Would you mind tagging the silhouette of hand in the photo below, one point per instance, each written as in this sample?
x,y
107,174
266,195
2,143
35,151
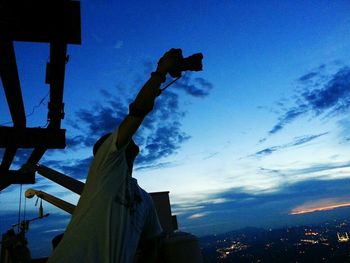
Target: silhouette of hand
x,y
170,61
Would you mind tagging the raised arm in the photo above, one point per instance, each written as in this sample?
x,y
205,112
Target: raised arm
x,y
144,101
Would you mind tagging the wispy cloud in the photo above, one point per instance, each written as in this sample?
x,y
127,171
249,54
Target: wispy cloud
x,y
119,44
210,155
344,125
159,136
315,168
327,168
297,141
161,133
318,94
240,207
319,205
101,118
22,156
197,87
288,117
153,166
76,168
308,77
55,230
198,215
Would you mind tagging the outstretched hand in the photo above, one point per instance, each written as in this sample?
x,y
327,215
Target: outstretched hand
x,y
170,62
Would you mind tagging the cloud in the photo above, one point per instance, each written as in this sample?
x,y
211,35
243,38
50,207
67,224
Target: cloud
x,y
318,94
119,44
317,168
197,87
164,142
321,171
319,205
335,95
312,168
211,155
242,208
102,119
344,125
161,133
305,139
197,215
308,77
76,168
153,166
296,142
76,141
288,117
22,156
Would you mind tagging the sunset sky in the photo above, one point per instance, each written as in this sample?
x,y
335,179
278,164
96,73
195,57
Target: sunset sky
x,y
262,132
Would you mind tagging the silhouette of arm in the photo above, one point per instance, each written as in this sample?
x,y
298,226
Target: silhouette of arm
x,y
144,101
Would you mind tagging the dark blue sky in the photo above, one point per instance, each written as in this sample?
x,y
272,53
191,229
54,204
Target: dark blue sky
x,y
263,130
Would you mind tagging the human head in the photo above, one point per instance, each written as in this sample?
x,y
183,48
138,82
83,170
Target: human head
x,y
99,142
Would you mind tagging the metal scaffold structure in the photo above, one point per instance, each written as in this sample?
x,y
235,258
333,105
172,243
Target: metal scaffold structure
x,y
58,24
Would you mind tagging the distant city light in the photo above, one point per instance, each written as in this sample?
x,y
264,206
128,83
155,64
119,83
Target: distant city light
x,y
319,242
311,233
343,237
310,241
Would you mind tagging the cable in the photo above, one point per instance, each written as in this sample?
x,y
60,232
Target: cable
x,y
41,209
41,102
19,209
37,106
171,83
25,209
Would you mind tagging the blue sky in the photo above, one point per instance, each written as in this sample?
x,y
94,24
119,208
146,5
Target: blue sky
x,y
263,130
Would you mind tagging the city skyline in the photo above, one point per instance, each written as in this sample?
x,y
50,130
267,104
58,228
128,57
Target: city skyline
x,y
327,242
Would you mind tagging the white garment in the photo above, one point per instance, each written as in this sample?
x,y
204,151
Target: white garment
x,y
112,213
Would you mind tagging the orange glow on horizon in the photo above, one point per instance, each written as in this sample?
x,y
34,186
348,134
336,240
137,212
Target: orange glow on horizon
x,y
301,210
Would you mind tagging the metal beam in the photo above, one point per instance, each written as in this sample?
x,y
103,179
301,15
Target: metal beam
x,y
61,179
4,185
57,66
36,155
7,159
64,205
17,177
32,138
11,84
40,20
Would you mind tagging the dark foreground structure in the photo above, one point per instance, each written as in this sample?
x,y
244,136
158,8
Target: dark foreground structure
x,y
56,23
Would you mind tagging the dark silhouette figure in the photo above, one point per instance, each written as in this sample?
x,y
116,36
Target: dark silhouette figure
x,y
114,215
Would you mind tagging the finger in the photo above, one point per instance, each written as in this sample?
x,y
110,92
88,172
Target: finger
x,y
176,51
